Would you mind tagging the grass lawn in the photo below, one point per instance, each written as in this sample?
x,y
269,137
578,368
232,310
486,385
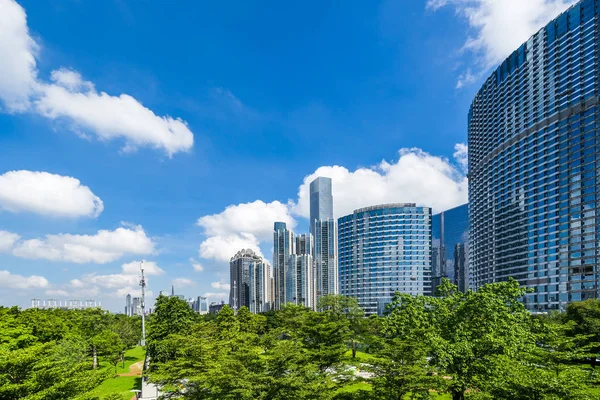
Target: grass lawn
x,y
122,384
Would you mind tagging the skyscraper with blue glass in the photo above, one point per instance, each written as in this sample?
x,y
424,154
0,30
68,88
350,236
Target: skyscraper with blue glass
x,y
450,259
384,249
533,165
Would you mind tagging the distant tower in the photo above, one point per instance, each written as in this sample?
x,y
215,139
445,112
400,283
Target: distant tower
x,y
324,232
172,290
321,202
128,310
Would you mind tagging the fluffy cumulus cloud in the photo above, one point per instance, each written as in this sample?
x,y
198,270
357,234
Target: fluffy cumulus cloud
x,y
66,96
256,218
7,241
461,155
121,284
18,72
222,248
499,27
217,296
416,177
47,194
12,281
150,268
196,265
221,285
57,293
103,247
182,282
241,226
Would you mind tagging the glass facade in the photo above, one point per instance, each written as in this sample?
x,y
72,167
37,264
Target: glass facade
x,y
326,266
283,248
382,250
321,201
239,271
450,231
260,287
301,282
533,165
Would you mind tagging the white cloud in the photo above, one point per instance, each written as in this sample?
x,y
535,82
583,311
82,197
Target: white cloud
x,y
466,78
150,268
103,247
57,293
416,177
222,248
7,241
181,282
67,96
47,194
220,285
76,283
255,218
500,26
461,155
12,281
216,296
17,65
111,117
196,265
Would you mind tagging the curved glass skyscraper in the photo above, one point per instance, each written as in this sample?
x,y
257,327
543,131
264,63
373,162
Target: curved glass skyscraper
x,y
533,165
384,249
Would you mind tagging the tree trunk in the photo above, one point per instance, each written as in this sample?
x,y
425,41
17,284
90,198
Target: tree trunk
x,y
123,359
95,357
353,352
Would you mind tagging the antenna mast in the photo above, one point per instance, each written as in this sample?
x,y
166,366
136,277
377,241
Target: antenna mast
x,y
143,305
234,297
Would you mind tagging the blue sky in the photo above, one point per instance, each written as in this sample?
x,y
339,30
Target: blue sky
x,y
179,134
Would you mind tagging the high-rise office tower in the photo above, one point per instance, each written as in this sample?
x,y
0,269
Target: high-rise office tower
x,y
260,286
323,230
533,165
325,260
239,267
321,201
304,244
449,229
283,248
136,308
384,249
128,310
300,282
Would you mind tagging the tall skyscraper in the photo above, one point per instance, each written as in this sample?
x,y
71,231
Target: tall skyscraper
x,y
450,228
240,278
323,230
533,165
260,286
321,201
304,244
300,283
128,309
384,249
136,308
326,266
283,248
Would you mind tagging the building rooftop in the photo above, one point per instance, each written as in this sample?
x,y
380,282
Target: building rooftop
x,y
382,206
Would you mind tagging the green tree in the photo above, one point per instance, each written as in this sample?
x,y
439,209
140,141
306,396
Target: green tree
x,y
340,307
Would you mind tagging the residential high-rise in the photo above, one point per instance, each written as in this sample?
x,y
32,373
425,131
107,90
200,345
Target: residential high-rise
x,y
300,284
260,286
240,278
326,266
384,249
450,228
283,248
533,165
321,201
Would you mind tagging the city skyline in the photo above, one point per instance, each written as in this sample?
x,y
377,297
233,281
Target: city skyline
x,y
121,144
